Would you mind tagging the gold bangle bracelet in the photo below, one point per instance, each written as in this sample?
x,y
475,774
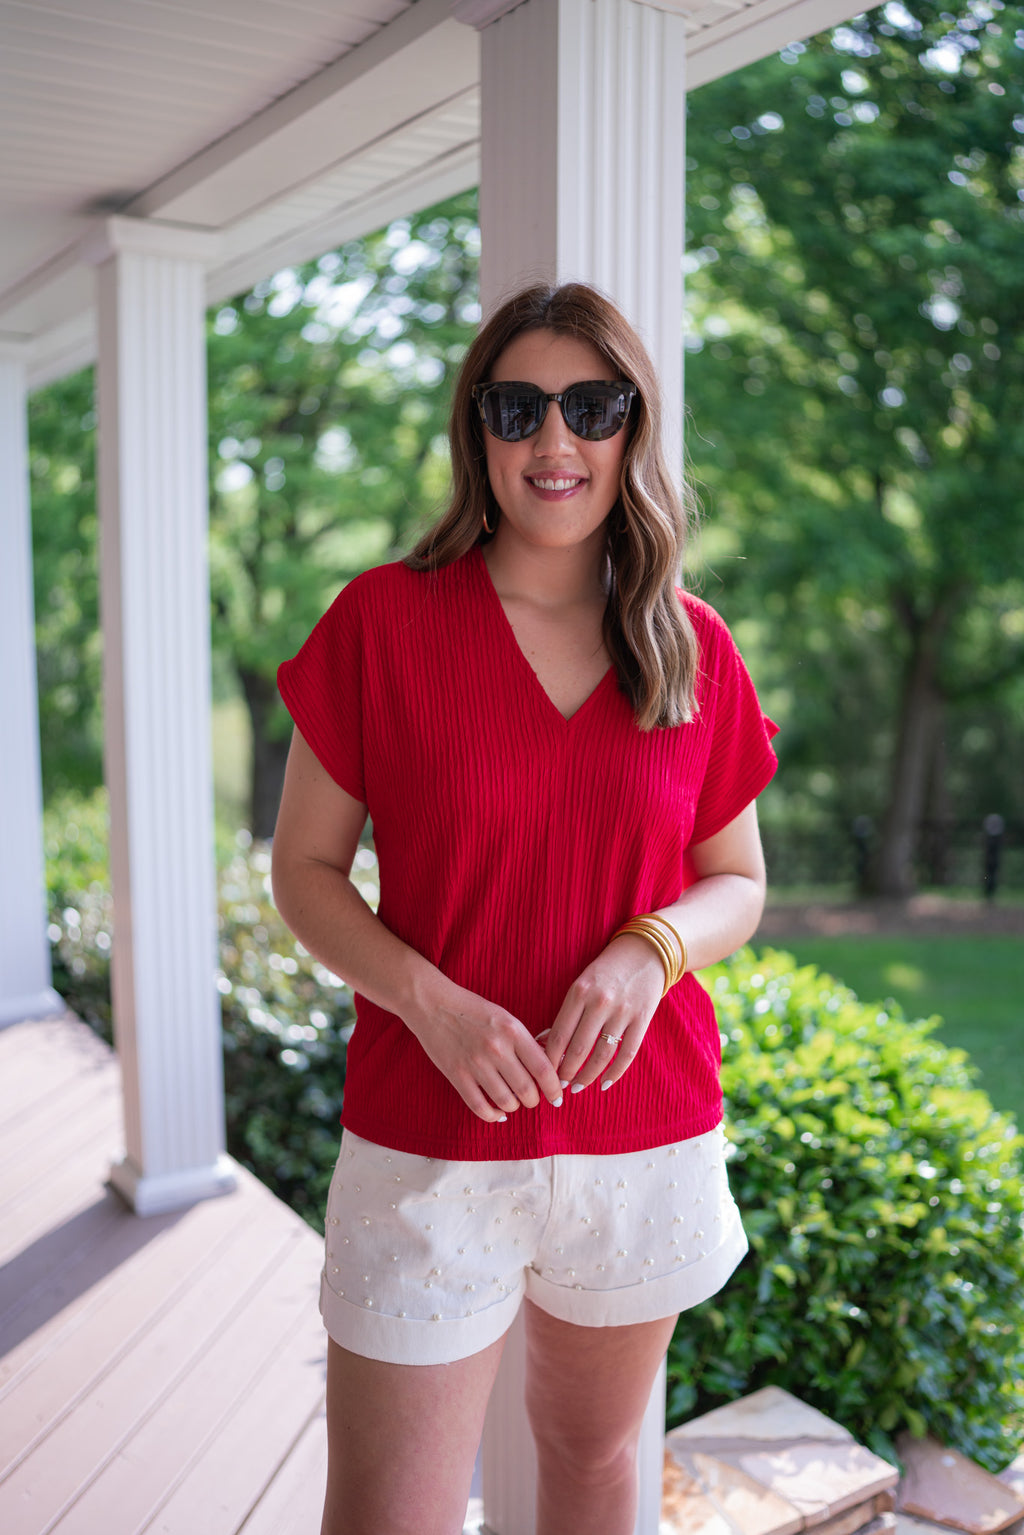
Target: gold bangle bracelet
x,y
656,916
672,963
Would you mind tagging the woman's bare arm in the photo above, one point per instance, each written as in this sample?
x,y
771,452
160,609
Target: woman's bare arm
x,y
490,1058
619,991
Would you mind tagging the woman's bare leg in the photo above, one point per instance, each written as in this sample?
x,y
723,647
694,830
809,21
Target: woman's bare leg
x,y
587,1391
402,1441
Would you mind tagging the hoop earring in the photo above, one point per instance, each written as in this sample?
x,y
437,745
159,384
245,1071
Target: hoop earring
x,y
487,526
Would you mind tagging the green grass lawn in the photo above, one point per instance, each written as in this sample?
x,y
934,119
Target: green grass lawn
x,y
975,984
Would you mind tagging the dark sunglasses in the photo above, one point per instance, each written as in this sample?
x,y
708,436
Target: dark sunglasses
x,y
593,410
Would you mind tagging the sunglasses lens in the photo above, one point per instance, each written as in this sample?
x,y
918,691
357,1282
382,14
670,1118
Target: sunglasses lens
x,y
512,411
597,411
593,411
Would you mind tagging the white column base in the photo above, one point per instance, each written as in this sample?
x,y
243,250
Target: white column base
x,y
46,1003
171,1191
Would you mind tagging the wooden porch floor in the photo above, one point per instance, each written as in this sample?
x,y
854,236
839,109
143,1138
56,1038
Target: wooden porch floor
x,y
159,1374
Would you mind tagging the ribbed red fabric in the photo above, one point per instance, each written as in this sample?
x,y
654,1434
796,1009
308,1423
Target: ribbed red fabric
x,y
513,842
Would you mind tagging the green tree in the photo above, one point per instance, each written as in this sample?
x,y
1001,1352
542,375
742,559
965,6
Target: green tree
x,y
857,383
328,403
68,655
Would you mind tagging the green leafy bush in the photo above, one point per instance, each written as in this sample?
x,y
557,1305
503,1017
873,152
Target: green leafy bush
x,y
883,1197
287,1021
75,834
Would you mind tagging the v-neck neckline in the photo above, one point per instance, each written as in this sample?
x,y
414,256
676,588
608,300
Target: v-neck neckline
x,y
532,678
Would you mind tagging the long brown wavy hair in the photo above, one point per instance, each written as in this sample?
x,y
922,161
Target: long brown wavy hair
x,y
646,629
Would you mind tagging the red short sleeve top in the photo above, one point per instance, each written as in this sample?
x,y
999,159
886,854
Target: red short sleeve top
x,y
513,842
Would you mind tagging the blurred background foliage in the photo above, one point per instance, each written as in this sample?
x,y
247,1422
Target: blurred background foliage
x,y
855,378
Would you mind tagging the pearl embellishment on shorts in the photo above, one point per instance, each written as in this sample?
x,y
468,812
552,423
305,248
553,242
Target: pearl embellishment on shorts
x,y
697,1183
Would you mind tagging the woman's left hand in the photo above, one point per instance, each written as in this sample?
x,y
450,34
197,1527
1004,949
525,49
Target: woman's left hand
x,y
601,1024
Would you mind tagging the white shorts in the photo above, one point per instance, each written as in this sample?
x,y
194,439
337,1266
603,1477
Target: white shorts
x,y
428,1261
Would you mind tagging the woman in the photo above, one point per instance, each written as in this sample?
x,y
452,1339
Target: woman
x,y
552,742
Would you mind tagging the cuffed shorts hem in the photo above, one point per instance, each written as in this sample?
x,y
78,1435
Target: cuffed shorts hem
x,y
406,1340
661,1297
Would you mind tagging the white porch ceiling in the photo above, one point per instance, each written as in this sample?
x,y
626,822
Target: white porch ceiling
x,y
284,126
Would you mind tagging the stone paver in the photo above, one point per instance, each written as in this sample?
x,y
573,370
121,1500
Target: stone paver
x,y
821,1480
942,1485
770,1413
1013,1476
771,1465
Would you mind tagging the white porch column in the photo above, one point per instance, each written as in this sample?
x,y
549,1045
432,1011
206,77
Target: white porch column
x,y
582,175
582,160
25,990
154,593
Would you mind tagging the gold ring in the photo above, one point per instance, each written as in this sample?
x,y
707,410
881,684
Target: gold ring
x,y
613,1039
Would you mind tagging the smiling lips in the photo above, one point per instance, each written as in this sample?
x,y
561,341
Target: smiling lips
x,y
548,483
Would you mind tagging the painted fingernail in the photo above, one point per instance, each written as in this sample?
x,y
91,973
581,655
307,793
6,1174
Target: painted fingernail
x,y
556,1103
563,1084
577,1087
502,1118
606,1085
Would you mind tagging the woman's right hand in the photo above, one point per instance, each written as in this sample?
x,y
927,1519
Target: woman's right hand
x,y
490,1058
